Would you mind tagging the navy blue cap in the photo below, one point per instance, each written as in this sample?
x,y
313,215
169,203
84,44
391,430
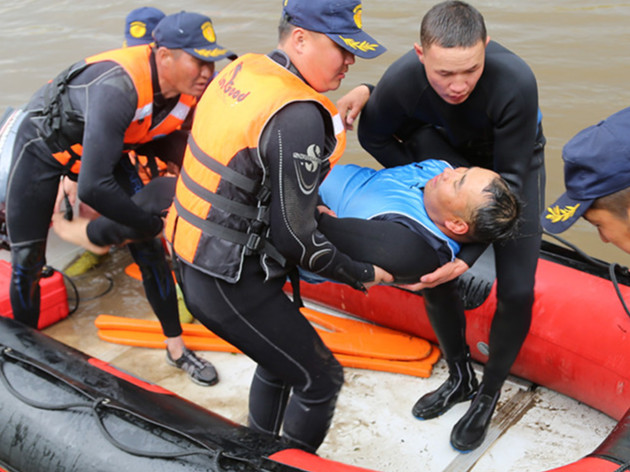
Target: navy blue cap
x,y
139,25
340,20
596,164
193,33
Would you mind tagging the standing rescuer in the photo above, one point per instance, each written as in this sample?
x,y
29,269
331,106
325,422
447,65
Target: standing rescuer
x,y
244,213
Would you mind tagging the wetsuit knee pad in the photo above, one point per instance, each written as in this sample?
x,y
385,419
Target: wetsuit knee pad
x,y
327,385
27,263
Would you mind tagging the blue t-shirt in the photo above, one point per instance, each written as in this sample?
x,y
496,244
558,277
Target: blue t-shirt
x,y
396,193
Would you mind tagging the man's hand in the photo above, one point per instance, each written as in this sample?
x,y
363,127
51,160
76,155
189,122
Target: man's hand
x,y
323,209
351,104
66,187
75,232
380,276
172,169
446,273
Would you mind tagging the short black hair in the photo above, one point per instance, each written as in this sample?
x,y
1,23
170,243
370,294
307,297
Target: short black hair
x,y
498,219
617,203
452,24
284,27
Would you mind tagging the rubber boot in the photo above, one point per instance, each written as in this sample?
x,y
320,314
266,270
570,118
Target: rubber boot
x,y
470,431
460,386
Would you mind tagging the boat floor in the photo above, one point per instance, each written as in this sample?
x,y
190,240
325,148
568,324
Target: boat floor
x,y
534,429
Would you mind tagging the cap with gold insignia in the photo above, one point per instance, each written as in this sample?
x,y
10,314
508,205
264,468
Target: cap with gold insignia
x,y
139,25
596,164
340,20
193,33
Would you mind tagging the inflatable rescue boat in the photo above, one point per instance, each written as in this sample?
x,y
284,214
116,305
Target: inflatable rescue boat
x,y
61,409
579,341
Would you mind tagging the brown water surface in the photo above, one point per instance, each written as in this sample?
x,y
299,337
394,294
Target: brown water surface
x,y
579,50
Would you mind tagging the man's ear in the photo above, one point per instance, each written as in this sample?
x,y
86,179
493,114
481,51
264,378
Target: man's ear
x,y
457,226
163,54
419,52
298,39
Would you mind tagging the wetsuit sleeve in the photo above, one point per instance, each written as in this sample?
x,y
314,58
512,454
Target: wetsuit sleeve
x,y
388,110
109,109
471,252
292,144
515,132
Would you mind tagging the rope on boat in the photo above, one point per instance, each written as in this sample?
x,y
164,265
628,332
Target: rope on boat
x,y
77,298
613,267
96,405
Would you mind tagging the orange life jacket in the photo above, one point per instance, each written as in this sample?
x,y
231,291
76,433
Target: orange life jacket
x,y
220,210
136,62
148,167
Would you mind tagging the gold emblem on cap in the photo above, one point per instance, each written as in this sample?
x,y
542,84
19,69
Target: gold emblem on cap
x,y
208,32
211,52
557,215
361,46
137,29
357,16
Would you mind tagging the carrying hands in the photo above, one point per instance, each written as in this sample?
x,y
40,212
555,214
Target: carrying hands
x,y
380,276
445,273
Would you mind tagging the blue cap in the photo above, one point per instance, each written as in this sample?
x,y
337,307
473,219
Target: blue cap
x,y
596,164
193,33
139,25
340,20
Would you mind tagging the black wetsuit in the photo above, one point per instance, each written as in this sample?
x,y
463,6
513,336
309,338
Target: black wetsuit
x,y
497,127
105,98
297,379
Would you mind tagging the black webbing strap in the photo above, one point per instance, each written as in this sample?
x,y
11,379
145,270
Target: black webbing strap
x,y
239,180
218,201
254,243
294,278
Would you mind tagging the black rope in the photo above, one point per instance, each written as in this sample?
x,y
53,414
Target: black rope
x,y
612,267
74,289
78,299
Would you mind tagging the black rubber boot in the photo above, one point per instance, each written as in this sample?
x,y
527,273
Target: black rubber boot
x,y
470,431
460,386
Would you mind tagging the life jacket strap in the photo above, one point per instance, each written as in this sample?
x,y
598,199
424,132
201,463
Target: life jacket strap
x,y
253,240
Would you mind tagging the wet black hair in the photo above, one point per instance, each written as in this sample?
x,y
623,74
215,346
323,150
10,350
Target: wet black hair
x,y
498,218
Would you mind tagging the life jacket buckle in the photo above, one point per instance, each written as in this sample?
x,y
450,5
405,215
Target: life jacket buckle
x,y
263,215
264,193
254,242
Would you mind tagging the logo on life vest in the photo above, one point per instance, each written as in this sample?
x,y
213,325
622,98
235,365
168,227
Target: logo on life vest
x,y
306,167
228,86
208,32
137,29
557,215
